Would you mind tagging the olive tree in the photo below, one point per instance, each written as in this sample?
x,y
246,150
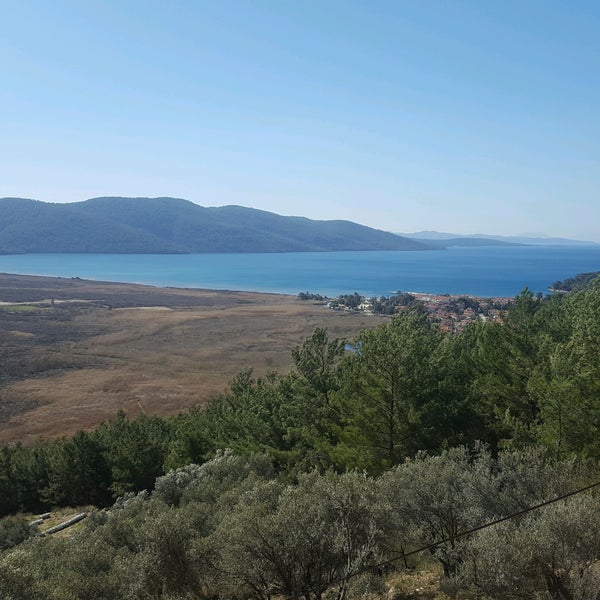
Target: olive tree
x,y
302,540
551,554
434,499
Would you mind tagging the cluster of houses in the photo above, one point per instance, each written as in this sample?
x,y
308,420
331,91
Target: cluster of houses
x,y
451,312
454,312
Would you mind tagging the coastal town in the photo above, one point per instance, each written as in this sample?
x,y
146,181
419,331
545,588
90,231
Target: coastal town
x,y
451,312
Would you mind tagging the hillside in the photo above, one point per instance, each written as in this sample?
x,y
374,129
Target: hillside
x,y
481,239
467,242
310,479
170,225
580,282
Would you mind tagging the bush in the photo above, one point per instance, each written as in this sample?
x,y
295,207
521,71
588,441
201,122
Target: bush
x,y
13,531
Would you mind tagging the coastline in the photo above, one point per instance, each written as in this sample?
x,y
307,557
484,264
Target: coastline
x,y
481,272
21,288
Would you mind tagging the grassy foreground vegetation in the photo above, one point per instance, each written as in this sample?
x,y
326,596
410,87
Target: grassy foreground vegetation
x,y
296,485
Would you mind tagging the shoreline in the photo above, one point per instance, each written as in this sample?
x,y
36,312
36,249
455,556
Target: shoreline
x,y
17,288
58,283
479,272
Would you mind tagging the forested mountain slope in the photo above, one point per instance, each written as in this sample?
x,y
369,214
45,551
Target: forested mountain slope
x,y
297,483
170,225
530,380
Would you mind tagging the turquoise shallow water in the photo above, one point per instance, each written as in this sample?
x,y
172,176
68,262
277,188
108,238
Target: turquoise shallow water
x,y
500,271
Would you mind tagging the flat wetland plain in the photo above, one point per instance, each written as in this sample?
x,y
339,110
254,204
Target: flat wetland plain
x,y
73,352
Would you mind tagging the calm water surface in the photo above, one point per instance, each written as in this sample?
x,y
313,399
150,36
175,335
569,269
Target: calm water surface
x,y
500,271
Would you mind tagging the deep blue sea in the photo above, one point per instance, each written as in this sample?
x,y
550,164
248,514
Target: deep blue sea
x,y
496,271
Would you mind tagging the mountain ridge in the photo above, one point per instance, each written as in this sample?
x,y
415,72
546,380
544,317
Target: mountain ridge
x,y
541,240
163,225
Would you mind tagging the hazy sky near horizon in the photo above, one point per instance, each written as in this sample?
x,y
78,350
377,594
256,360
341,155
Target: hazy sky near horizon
x,y
463,116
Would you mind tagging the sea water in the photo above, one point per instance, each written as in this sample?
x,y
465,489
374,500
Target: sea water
x,y
489,271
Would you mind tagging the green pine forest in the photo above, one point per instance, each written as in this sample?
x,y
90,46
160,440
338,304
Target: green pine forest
x,y
321,482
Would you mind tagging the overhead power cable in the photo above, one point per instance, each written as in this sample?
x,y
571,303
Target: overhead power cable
x,y
462,534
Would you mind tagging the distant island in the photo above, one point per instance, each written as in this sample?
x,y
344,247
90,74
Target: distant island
x,y
445,239
174,226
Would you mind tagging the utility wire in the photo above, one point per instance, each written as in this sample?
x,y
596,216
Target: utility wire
x,y
405,555
476,529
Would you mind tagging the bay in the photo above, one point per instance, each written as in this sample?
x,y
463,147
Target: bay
x,y
492,271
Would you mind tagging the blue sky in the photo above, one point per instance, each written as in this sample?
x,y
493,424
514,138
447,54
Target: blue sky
x,y
463,116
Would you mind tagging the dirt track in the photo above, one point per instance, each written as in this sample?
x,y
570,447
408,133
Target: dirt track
x,y
77,351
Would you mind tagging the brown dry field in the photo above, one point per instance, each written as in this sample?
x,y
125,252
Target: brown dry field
x,y
84,350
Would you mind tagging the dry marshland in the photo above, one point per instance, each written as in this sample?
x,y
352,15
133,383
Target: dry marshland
x,y
74,352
